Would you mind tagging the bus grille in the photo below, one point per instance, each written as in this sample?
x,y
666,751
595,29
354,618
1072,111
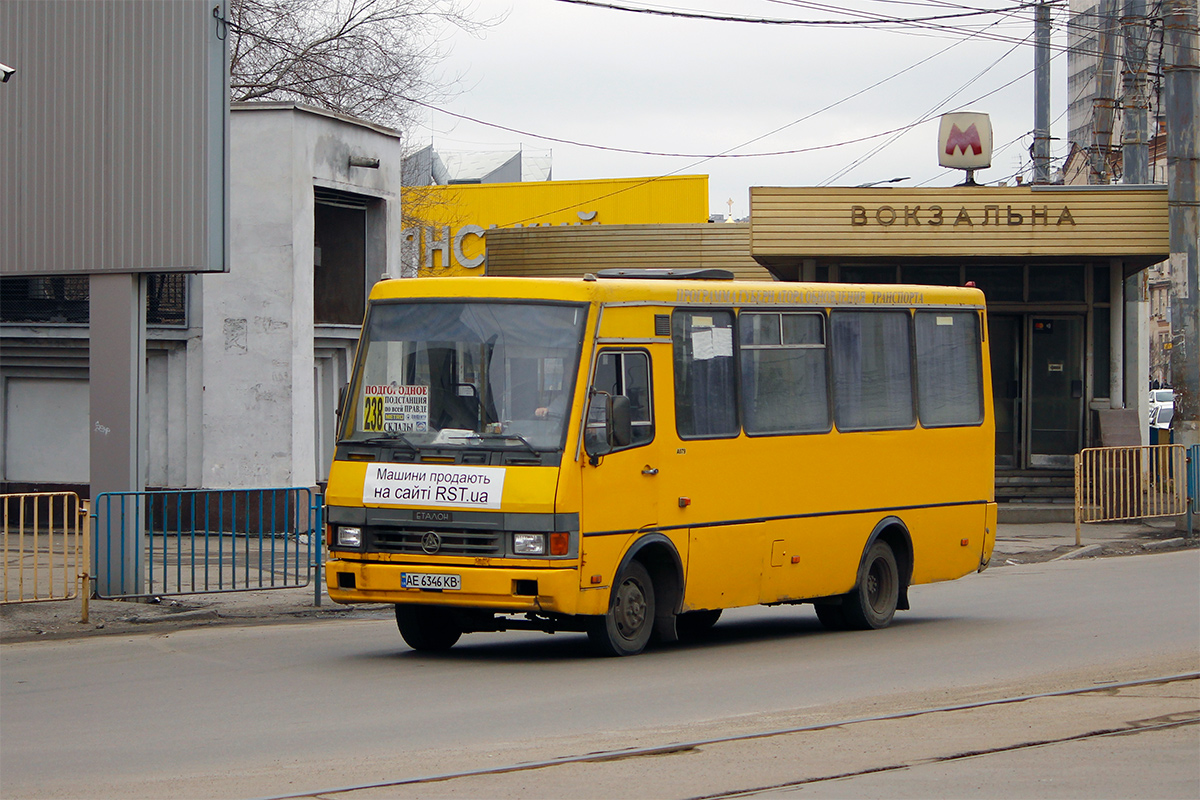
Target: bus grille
x,y
451,542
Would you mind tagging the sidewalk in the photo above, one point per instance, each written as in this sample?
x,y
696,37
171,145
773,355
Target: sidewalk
x,y
1015,544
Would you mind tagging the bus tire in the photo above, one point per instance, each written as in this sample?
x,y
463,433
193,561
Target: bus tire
x,y
871,604
428,628
692,625
626,628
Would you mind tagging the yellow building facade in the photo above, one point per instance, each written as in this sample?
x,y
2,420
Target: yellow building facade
x,y
445,226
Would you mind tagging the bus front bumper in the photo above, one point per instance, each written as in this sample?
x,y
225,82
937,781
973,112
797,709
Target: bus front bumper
x,y
500,589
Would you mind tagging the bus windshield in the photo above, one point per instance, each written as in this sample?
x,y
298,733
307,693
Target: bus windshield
x,y
471,374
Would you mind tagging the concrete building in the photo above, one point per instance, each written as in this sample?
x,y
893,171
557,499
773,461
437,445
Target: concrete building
x,y
430,167
243,369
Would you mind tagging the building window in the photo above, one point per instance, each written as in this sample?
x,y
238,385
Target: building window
x,y
166,299
866,274
1101,289
1101,353
339,258
64,300
1000,284
931,276
1062,283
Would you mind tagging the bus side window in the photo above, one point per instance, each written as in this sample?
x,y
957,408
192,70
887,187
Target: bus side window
x,y
783,387
627,373
705,392
872,370
949,372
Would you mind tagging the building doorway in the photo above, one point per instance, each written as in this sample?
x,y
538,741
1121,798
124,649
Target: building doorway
x,y
1038,387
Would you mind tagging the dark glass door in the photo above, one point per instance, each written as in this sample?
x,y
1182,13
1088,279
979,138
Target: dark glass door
x,y
1004,336
1055,390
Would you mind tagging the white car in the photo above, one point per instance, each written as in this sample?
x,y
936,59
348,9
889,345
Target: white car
x,y
1160,417
1161,397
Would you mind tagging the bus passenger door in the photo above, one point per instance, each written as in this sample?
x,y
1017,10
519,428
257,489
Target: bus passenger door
x,y
620,493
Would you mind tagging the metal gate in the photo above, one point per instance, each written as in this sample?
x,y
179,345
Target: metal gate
x,y
203,541
1116,483
46,548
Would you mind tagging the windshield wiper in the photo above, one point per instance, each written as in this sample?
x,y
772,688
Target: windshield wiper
x,y
508,437
391,438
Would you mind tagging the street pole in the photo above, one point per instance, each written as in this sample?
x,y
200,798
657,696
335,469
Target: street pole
x,y
1104,102
1135,161
1135,146
1181,83
1041,94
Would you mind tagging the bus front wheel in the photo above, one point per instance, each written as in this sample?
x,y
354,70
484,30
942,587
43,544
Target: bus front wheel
x,y
872,603
626,628
428,628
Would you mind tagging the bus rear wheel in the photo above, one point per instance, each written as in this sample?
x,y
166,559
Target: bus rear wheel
x,y
428,628
626,628
872,603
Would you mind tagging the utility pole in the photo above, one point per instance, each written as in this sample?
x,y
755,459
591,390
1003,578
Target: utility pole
x,y
1135,169
1135,144
1041,94
1104,101
1181,85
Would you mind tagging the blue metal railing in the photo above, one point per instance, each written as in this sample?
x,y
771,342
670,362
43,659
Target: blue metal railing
x,y
201,541
1193,484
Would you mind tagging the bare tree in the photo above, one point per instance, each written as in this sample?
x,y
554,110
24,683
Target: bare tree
x,y
368,58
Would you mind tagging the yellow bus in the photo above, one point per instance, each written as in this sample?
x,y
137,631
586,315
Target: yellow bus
x,y
627,455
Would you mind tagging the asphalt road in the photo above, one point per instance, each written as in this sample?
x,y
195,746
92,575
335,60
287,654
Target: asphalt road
x,y
273,710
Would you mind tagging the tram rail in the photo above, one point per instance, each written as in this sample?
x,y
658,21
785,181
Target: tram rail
x,y
1189,717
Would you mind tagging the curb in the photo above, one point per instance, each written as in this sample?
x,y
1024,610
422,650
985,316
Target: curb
x,y
1164,544
1083,552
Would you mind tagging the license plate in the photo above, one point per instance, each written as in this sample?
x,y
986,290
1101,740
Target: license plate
x,y
425,580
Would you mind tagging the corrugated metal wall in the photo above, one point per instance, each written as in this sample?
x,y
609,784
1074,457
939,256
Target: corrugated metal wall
x,y
112,136
572,251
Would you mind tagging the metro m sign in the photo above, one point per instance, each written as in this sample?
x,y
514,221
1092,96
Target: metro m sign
x,y
965,141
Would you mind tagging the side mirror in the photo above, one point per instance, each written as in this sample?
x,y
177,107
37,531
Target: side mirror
x,y
341,403
598,427
609,425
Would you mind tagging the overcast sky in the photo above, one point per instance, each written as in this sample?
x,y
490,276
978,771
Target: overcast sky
x,y
639,82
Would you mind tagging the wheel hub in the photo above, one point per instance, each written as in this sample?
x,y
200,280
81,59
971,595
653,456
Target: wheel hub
x,y
630,610
877,582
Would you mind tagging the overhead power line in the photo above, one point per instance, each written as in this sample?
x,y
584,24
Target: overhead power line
x,y
681,14
592,146
933,25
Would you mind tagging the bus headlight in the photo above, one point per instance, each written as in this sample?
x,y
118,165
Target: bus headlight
x,y
529,544
349,537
